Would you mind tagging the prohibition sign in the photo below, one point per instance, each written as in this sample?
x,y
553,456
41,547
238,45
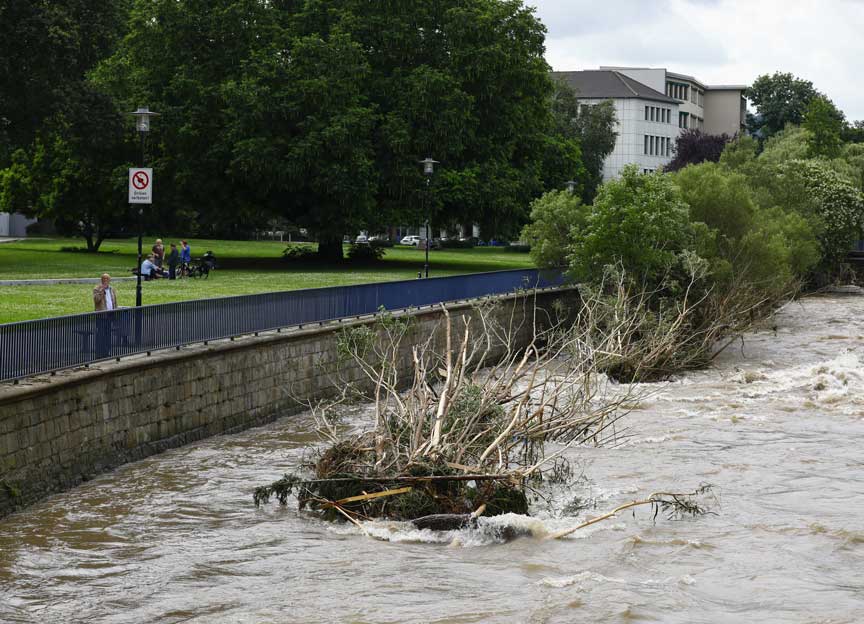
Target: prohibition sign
x,y
140,180
140,186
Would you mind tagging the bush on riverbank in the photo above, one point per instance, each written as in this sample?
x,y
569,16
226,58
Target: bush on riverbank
x,y
691,255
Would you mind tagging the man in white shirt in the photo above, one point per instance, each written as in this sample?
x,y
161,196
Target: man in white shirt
x,y
104,297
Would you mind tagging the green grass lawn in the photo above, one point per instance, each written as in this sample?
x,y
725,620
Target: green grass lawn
x,y
245,267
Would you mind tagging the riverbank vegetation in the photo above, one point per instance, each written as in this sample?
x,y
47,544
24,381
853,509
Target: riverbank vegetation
x,y
707,250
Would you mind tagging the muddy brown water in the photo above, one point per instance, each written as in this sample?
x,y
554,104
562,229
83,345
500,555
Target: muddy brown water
x,y
776,426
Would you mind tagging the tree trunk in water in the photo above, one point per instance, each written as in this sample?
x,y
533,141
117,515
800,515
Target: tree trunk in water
x,y
330,248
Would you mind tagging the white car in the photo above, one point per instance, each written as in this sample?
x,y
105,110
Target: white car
x,y
361,239
410,240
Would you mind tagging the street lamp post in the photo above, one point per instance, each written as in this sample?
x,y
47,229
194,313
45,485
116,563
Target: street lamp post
x,y
428,170
142,125
571,186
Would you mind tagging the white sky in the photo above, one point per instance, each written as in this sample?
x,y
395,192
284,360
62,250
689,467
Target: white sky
x,y
717,41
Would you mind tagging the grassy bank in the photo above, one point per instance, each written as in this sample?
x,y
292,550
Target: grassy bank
x,y
245,267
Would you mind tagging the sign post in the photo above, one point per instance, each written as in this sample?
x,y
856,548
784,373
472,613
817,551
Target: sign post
x,y
140,192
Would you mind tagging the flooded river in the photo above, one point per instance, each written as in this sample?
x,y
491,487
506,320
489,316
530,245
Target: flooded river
x,y
777,426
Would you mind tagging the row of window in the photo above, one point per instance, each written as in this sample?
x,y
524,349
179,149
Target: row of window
x,y
655,113
647,171
658,146
684,92
686,120
678,90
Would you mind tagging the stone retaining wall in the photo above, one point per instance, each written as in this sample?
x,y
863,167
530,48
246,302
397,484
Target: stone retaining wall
x,y
57,431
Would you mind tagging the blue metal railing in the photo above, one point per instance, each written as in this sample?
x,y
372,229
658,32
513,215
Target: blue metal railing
x,y
51,344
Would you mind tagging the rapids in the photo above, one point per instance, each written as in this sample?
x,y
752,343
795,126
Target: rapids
x,y
777,425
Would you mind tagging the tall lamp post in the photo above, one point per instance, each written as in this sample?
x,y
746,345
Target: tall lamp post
x,y
428,170
142,125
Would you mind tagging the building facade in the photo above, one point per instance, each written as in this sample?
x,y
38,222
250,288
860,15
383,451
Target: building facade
x,y
653,107
14,224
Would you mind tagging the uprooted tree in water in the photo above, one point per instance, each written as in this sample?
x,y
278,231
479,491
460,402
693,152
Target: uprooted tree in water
x,y
482,420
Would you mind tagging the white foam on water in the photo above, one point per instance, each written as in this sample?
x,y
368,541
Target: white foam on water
x,y
584,576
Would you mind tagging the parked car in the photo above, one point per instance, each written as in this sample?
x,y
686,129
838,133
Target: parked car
x,y
410,240
361,239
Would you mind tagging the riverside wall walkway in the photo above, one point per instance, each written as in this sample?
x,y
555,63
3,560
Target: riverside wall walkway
x,y
59,430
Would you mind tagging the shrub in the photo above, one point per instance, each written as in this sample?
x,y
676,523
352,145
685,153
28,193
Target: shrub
x,y
299,252
694,146
837,206
455,243
554,217
363,252
638,222
717,197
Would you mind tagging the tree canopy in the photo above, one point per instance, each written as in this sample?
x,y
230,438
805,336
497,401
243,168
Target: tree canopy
x,y
319,112
781,99
594,126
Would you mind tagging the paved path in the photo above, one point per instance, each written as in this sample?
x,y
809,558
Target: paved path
x,y
62,280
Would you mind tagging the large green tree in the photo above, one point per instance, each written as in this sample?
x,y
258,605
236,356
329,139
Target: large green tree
x,y
183,60
779,99
319,111
73,172
62,145
825,126
595,129
46,48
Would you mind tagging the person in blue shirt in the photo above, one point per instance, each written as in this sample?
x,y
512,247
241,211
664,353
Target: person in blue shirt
x,y
149,270
185,257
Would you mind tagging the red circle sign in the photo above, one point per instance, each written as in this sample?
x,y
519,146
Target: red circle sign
x,y
140,180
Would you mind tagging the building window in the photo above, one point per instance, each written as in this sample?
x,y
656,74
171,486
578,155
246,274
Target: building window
x,y
682,120
646,144
668,147
646,113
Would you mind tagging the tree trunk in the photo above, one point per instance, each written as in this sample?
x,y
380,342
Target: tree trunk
x,y
330,248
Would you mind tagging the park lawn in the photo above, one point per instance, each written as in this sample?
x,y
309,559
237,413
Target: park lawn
x,y
245,267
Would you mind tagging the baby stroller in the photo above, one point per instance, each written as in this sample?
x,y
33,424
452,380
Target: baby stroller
x,y
202,266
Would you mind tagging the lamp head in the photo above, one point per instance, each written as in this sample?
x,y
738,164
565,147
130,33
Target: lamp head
x,y
142,118
428,165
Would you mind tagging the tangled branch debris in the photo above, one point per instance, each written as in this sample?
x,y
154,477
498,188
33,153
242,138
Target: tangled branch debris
x,y
672,503
480,418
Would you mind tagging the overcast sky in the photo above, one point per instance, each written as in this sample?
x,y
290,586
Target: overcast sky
x,y
716,41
